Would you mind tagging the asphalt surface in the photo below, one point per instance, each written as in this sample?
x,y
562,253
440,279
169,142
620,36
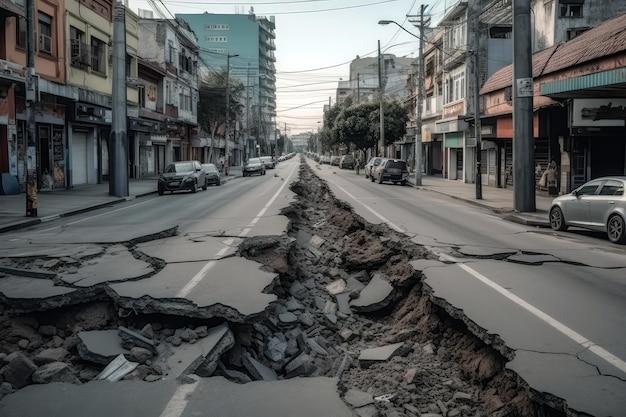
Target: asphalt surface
x,y
558,300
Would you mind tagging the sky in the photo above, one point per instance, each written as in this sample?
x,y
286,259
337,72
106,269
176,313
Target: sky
x,y
309,38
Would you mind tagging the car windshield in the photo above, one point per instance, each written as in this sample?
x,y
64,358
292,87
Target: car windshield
x,y
252,161
179,167
209,168
396,165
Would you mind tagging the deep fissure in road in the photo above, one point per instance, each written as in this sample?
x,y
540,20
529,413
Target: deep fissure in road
x,y
349,305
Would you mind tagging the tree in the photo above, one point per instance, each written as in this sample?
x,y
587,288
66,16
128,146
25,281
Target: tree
x,y
396,117
353,126
212,102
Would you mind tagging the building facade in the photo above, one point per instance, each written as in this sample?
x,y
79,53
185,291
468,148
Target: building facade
x,y
251,38
168,114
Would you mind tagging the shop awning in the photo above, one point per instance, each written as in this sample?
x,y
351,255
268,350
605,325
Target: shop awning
x,y
603,84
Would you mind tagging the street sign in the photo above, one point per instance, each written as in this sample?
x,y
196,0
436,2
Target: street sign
x,y
524,87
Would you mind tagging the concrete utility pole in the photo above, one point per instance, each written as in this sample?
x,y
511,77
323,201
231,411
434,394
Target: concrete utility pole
x,y
30,141
474,33
358,88
381,113
227,132
246,143
523,140
118,143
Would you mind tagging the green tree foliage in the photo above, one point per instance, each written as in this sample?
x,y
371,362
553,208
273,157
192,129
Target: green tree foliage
x,y
212,102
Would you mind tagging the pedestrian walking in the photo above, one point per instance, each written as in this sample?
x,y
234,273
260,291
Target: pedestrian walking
x,y
357,165
551,178
221,164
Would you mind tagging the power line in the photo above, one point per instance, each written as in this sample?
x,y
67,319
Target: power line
x,y
189,4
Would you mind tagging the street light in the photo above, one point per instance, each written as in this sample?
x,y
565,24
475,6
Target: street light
x,y
227,135
420,96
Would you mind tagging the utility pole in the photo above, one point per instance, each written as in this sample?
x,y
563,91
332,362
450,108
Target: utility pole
x,y
358,88
30,141
227,127
246,143
421,23
381,113
474,33
523,141
118,143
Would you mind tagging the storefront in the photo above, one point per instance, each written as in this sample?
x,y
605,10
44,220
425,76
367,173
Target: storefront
x,y
146,147
453,133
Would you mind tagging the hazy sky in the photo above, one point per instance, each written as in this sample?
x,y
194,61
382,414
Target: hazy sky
x,y
308,40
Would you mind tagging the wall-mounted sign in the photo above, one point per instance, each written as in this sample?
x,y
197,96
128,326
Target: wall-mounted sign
x,y
600,112
524,87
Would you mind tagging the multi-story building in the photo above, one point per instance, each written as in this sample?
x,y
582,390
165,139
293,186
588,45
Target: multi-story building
x,y
89,33
168,94
433,104
363,84
251,38
50,115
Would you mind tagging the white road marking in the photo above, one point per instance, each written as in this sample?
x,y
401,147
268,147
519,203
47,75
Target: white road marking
x,y
177,404
541,315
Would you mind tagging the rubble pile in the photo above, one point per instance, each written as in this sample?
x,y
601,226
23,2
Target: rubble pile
x,y
340,298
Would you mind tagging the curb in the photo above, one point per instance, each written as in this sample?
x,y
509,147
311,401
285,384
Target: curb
x,y
527,221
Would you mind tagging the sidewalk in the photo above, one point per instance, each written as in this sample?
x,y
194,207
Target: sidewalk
x,y
63,203
500,200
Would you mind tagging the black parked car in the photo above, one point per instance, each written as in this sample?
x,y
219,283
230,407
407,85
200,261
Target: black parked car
x,y
183,175
392,170
254,166
212,174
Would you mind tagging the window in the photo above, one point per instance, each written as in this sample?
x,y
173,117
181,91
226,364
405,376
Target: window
x,y
20,32
612,188
141,92
455,86
129,66
588,189
78,50
500,32
571,8
572,33
171,52
98,55
45,33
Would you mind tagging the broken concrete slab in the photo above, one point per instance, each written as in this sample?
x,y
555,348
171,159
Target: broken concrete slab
x,y
231,288
301,365
52,251
287,318
55,372
132,338
422,264
382,353
343,302
375,296
190,249
257,370
18,370
51,355
117,264
100,346
201,358
28,293
117,369
302,397
357,398
317,241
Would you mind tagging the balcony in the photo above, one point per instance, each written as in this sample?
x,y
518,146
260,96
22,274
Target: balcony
x,y
12,7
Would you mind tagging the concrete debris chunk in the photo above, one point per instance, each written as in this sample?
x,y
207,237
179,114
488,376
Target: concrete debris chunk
x,y
276,348
47,330
219,340
410,375
51,355
376,295
287,318
257,370
100,346
422,264
294,305
301,365
131,338
298,290
382,353
317,241
346,334
336,287
315,347
141,355
330,311
18,370
117,369
367,411
343,303
461,397
54,372
357,398
233,375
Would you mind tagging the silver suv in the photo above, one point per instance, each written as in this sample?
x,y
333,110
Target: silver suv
x,y
597,205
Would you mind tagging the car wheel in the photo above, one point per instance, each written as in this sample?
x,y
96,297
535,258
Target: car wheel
x,y
194,187
616,229
160,190
219,182
380,179
205,186
371,178
557,220
403,183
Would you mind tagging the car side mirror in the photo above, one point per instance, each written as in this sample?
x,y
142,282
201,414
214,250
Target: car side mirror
x,y
576,193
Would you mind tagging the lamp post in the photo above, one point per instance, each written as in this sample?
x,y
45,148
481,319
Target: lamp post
x,y
227,135
420,94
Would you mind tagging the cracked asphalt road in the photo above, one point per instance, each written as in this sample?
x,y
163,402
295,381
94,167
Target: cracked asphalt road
x,y
557,305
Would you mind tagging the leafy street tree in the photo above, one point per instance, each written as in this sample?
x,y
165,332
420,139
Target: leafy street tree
x,y
212,102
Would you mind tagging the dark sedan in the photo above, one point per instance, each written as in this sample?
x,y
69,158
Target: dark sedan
x,y
254,166
181,176
212,174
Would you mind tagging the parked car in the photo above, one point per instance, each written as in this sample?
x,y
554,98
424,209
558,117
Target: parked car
x,y
212,175
391,170
254,166
268,161
334,160
325,159
597,205
346,162
183,175
371,165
